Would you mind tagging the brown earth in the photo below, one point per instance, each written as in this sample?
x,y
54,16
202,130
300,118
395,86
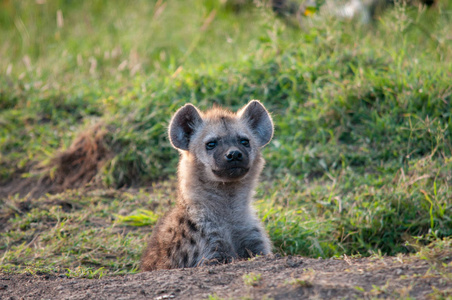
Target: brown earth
x,y
274,278
68,169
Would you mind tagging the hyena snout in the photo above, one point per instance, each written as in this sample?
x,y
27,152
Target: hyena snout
x,y
231,163
234,155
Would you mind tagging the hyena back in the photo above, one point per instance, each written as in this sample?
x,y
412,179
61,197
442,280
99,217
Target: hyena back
x,y
220,162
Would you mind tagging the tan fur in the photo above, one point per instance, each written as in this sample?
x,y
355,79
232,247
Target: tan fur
x,y
213,220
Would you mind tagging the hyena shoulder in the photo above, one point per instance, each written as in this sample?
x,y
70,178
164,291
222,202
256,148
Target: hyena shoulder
x,y
172,243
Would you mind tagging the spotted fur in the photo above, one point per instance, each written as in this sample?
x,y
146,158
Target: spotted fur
x,y
220,162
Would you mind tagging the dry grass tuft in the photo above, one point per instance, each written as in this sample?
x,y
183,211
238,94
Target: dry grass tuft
x,y
79,164
69,169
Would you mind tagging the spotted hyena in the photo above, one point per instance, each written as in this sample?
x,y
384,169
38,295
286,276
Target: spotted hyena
x,y
220,162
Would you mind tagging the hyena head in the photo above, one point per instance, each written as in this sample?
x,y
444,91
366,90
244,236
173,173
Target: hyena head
x,y
221,145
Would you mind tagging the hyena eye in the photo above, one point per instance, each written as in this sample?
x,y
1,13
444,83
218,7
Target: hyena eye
x,y
245,142
211,145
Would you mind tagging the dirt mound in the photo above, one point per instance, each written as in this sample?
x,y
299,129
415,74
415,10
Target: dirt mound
x,y
69,169
260,278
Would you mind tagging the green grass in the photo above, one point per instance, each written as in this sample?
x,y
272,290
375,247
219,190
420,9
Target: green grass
x,y
361,161
252,279
73,233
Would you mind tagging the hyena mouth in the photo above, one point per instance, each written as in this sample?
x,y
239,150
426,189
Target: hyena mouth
x,y
231,173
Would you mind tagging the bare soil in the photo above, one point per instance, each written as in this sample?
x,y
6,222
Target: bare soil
x,y
280,278
69,169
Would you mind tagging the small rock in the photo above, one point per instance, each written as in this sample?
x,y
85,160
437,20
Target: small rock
x,y
162,297
293,263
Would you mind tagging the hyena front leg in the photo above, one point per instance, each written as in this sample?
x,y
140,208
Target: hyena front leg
x,y
217,250
253,242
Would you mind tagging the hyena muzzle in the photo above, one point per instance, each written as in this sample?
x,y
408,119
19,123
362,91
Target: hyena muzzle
x,y
220,162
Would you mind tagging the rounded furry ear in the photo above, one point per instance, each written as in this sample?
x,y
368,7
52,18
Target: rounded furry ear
x,y
183,125
259,120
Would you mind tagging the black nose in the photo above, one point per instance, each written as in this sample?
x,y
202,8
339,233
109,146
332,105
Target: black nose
x,y
234,155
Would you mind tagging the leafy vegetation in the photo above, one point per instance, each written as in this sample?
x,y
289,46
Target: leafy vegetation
x,y
252,279
361,160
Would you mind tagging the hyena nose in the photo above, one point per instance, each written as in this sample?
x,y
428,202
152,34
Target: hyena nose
x,y
234,155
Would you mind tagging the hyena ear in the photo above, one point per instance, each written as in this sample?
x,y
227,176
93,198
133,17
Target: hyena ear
x,y
259,120
183,125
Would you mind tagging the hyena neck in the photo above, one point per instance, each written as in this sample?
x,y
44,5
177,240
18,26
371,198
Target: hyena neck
x,y
197,192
